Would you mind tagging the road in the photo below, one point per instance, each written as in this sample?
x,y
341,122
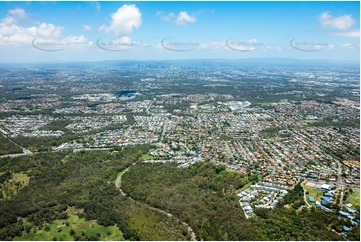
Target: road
x,y
147,110
25,151
247,217
164,129
118,182
89,149
304,195
244,152
228,149
339,181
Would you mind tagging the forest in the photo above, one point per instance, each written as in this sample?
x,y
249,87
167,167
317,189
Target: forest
x,y
204,195
83,181
8,147
76,192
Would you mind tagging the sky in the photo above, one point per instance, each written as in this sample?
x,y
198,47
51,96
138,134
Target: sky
x,y
97,31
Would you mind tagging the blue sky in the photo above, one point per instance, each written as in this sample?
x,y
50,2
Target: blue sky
x,y
91,31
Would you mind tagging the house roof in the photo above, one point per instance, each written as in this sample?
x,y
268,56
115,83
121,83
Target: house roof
x,y
346,228
344,213
329,194
327,199
326,186
351,210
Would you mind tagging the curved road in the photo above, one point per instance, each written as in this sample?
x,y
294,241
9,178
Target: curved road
x,y
304,195
118,182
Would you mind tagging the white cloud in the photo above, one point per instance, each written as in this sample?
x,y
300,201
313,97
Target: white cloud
x,y
343,22
347,46
13,33
45,30
183,18
124,21
17,13
77,42
350,34
13,16
87,27
9,20
252,41
16,34
124,40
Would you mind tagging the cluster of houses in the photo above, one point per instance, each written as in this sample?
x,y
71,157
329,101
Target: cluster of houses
x,y
236,105
84,124
351,215
261,195
326,200
183,161
329,198
27,125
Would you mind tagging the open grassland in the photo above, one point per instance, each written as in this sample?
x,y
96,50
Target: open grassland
x,y
354,199
12,186
73,228
316,193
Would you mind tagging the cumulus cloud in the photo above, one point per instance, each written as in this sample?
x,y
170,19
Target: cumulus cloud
x,y
13,33
13,16
183,18
343,22
126,40
18,13
123,21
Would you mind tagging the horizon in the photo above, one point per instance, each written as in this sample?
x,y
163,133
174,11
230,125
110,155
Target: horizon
x,y
263,61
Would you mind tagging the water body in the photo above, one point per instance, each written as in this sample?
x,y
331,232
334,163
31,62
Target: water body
x,y
126,94
24,98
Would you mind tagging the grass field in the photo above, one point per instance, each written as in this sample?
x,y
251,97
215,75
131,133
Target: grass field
x,y
354,199
14,185
83,229
244,187
316,193
147,156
